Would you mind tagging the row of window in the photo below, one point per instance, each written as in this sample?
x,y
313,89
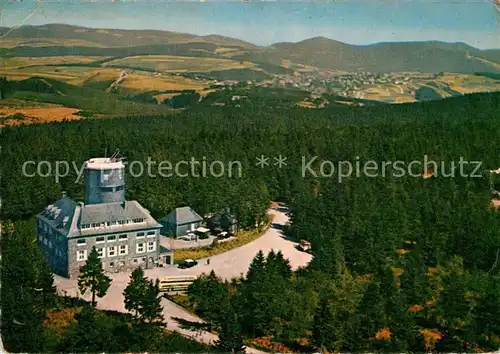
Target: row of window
x,y
111,223
112,238
112,251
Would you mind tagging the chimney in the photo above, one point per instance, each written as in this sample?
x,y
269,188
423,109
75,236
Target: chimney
x,y
64,194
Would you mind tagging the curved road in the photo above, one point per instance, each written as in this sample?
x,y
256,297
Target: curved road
x,y
226,265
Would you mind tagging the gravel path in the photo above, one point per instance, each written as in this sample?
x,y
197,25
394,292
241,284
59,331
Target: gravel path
x,y
226,265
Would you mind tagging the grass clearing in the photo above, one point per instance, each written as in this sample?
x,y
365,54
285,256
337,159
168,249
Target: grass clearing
x,y
171,63
90,76
71,75
242,238
143,82
34,115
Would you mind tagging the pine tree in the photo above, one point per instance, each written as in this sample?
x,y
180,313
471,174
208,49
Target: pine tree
x,y
257,268
150,310
230,336
135,291
207,294
92,277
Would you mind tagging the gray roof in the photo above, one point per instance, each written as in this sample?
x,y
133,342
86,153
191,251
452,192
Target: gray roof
x,y
97,213
72,215
65,217
181,216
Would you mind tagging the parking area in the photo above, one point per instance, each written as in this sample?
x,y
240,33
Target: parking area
x,y
178,243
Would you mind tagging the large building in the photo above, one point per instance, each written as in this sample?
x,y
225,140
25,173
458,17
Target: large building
x,y
124,233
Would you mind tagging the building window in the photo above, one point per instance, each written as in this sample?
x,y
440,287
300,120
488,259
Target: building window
x,y
50,244
111,264
45,241
99,239
137,220
143,259
140,247
81,255
122,237
81,242
111,238
140,234
151,246
112,251
123,249
100,252
151,233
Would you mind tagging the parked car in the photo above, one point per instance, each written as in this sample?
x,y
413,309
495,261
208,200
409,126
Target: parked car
x,y
188,263
224,235
203,236
188,237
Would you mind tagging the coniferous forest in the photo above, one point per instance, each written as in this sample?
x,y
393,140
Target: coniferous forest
x,y
400,263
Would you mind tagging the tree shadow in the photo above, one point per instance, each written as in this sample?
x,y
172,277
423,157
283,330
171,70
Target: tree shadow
x,y
192,325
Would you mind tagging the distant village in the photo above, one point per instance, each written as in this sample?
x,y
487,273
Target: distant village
x,y
349,85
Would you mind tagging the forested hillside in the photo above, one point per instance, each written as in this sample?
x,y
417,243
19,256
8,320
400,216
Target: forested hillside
x,y
400,263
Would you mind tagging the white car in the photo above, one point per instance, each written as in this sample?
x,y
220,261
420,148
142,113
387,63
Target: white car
x,y
188,237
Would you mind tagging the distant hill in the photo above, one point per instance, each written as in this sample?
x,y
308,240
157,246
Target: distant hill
x,y
45,34
319,52
428,56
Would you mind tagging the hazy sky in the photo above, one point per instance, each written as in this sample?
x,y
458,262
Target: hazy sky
x,y
358,22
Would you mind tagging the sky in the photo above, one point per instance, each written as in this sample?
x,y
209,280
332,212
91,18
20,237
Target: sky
x,y
476,23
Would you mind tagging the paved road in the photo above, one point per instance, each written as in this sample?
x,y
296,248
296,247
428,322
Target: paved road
x,y
226,265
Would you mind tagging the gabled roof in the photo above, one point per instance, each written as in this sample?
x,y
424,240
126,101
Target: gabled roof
x,y
181,216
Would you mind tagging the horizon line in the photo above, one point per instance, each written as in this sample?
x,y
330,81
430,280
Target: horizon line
x,y
245,41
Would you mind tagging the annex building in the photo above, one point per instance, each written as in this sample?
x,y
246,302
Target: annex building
x,y
124,233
